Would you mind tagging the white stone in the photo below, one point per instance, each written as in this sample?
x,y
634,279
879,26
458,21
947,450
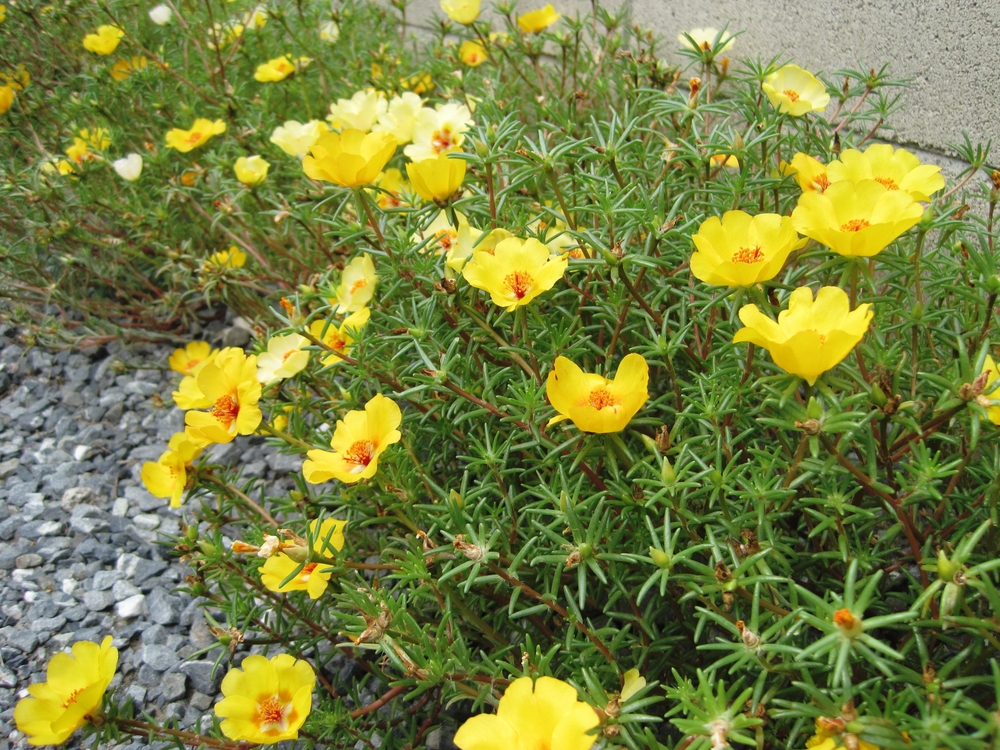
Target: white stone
x,y
146,521
120,507
131,607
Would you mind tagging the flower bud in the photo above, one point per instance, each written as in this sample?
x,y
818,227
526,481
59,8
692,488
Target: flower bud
x,y
661,558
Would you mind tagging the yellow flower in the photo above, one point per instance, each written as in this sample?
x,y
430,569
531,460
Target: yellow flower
x,y
547,716
538,20
439,131
469,239
357,285
795,91
251,171
230,382
594,403
742,250
341,338
703,39
189,396
515,273
167,477
311,577
328,538
632,683
79,152
295,138
856,219
191,358
349,158
461,11
436,179
393,189
267,700
358,441
992,411
279,68
896,169
472,53
284,358
17,80
809,173
400,116
123,68
447,239
831,737
6,98
725,160
418,83
70,696
811,336
3,13
105,41
198,134
359,112
329,32
223,259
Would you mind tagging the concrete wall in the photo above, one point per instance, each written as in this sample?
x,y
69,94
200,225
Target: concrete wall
x,y
950,50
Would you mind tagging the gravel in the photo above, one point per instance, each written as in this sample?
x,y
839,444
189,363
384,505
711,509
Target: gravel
x,y
85,550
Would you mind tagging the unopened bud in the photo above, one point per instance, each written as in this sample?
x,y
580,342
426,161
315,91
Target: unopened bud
x,y
472,551
242,548
750,639
661,558
663,439
809,427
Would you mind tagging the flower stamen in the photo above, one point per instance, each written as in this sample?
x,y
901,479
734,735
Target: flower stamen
x,y
359,454
518,282
442,141
601,397
226,410
748,255
793,95
855,225
888,182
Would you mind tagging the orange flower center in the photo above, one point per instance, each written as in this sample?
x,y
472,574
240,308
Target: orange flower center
x,y
226,410
288,354
72,698
821,183
360,454
192,363
336,341
602,397
445,239
888,182
274,714
518,282
821,336
793,95
441,141
194,137
855,225
706,46
844,618
748,255
307,570
359,284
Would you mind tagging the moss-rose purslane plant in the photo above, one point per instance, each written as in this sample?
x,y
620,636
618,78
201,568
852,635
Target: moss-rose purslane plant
x,y
631,394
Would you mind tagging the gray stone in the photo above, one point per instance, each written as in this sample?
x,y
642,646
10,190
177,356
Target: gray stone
x,y
29,560
284,462
148,676
24,641
160,658
137,693
146,569
88,526
201,701
140,497
8,467
33,508
50,528
10,552
131,607
123,590
173,686
98,601
163,608
200,674
146,521
105,579
236,336
48,624
120,507
74,496
154,635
